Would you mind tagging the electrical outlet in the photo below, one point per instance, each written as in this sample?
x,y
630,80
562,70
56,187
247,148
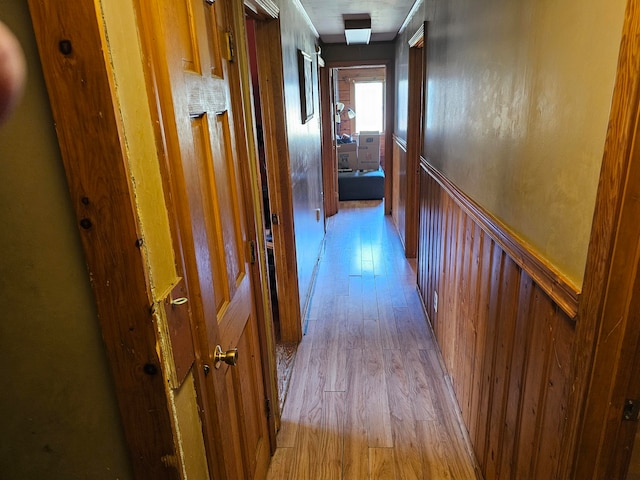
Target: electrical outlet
x,y
435,301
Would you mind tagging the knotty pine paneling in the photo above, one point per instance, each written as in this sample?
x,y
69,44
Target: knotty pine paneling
x,y
505,343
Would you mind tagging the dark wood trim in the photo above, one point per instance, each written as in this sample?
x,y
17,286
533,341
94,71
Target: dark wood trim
x,y
246,131
557,286
414,140
79,82
271,80
388,136
402,143
329,159
606,348
399,197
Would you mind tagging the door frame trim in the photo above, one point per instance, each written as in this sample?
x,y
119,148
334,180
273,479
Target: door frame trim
x,y
259,270
276,145
607,346
389,117
329,146
92,147
415,118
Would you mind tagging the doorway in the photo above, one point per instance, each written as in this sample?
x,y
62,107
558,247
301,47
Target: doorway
x,y
265,64
359,94
361,132
406,156
201,168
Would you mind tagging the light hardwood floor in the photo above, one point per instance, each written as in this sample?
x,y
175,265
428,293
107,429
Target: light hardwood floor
x,y
368,397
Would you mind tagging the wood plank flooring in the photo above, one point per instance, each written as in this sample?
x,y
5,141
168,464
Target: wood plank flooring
x,y
368,398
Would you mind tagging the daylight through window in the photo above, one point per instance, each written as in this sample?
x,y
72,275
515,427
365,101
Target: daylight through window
x,y
369,106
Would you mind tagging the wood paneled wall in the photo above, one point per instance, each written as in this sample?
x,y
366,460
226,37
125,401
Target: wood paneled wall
x,y
304,142
507,344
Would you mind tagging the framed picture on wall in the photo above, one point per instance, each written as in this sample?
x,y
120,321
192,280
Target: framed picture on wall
x,y
305,66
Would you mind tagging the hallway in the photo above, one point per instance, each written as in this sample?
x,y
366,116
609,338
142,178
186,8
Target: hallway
x,y
368,397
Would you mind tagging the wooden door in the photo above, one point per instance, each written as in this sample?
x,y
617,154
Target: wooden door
x,y
329,144
193,82
411,168
278,166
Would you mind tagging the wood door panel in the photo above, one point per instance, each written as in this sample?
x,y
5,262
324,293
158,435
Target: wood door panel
x,y
234,464
214,40
227,196
221,216
251,402
229,331
199,126
186,36
245,400
209,240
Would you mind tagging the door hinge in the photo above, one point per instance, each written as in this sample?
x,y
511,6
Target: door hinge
x,y
267,407
631,409
275,219
230,48
252,252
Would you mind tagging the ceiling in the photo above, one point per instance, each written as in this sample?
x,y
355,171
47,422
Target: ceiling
x,y
328,17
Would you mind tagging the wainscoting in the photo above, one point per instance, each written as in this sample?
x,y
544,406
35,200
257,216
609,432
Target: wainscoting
x,y
504,322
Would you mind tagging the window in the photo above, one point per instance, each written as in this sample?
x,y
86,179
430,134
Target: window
x,y
369,106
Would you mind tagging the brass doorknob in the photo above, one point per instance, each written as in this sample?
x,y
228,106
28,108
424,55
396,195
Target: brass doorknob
x,y
230,357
